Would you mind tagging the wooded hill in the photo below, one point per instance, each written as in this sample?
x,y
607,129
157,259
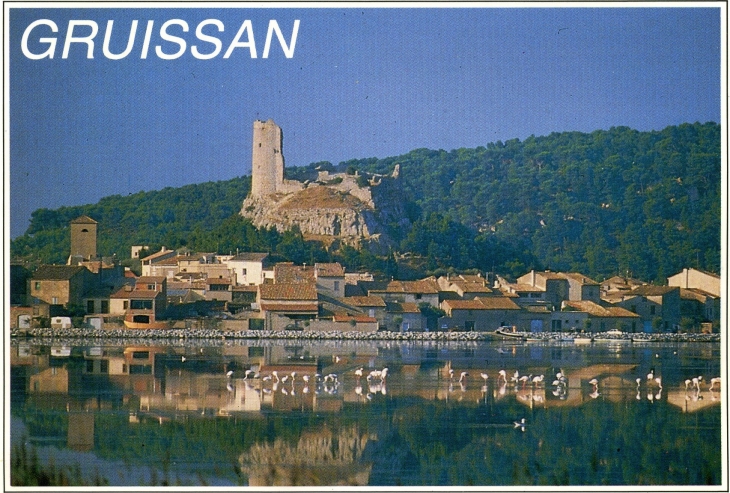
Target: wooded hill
x,y
601,203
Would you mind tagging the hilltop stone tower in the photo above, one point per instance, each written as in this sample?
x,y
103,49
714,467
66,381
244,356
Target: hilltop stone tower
x,y
362,210
83,238
267,163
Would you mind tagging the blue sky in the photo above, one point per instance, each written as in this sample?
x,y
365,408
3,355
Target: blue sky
x,y
362,82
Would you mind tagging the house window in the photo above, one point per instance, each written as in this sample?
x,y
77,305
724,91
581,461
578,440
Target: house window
x,y
151,287
90,306
418,296
89,366
104,306
371,312
54,300
37,285
337,285
125,304
141,304
104,366
244,272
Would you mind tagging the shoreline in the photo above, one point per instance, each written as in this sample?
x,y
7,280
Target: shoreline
x,y
217,334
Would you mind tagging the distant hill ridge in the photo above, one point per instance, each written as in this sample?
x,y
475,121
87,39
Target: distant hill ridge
x,y
601,203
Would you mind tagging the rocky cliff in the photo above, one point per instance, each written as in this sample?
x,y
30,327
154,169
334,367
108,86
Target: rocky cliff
x,y
358,210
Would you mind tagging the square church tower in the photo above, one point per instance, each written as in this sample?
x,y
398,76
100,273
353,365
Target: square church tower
x,y
83,238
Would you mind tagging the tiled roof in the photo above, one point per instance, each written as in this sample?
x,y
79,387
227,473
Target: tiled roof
x,y
289,291
333,269
287,272
171,260
596,310
695,294
83,220
245,289
161,253
57,272
366,301
215,280
650,290
487,303
577,276
293,307
403,308
137,295
425,286
345,317
525,288
148,279
549,275
471,287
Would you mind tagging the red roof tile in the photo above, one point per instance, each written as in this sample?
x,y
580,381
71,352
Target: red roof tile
x,y
288,291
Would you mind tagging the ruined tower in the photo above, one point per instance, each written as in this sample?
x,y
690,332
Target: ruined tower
x,y
83,238
267,162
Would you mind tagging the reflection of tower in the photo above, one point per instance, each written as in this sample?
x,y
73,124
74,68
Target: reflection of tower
x,y
80,431
267,163
83,238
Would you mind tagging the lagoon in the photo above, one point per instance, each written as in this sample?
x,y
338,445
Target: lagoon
x,y
212,413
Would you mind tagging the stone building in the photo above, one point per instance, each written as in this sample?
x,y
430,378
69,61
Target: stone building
x,y
83,238
696,279
61,284
359,210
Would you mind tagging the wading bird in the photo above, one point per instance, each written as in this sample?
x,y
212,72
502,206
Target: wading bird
x,y
715,381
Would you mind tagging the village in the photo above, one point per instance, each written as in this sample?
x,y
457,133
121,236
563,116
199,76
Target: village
x,y
246,291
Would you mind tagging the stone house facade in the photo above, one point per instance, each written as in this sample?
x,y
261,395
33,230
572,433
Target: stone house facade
x,y
484,314
592,317
658,306
61,284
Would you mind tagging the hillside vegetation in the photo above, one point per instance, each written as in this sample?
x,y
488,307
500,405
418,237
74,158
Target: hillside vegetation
x,y
602,203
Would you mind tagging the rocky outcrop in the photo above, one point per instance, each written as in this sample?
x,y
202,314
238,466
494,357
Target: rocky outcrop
x,y
322,210
359,210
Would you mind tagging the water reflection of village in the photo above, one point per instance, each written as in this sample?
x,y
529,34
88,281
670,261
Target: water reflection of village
x,y
164,383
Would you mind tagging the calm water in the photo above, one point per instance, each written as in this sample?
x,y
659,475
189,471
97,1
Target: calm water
x,y
135,414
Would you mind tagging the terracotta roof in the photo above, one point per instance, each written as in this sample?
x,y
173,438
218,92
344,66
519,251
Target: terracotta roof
x,y
489,303
403,308
548,275
57,272
171,260
215,280
146,279
577,276
367,301
135,294
294,307
471,287
333,269
345,317
248,289
83,220
425,286
650,290
695,294
288,291
525,288
287,272
161,253
596,310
